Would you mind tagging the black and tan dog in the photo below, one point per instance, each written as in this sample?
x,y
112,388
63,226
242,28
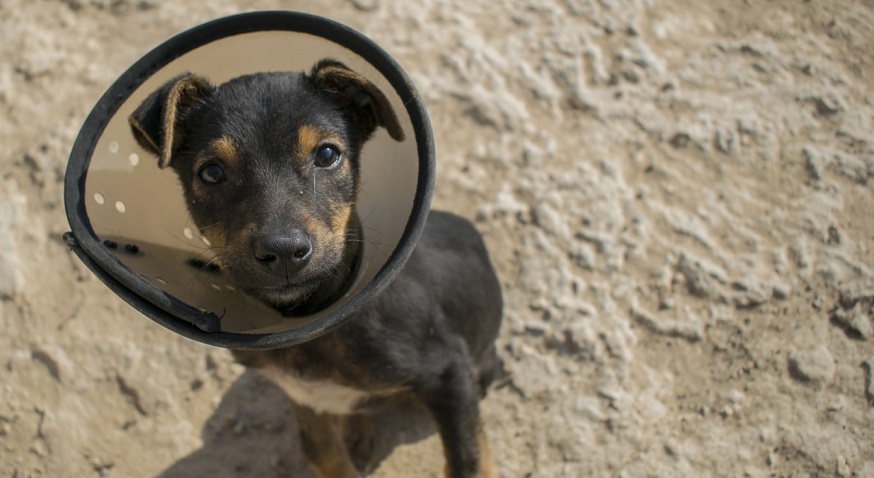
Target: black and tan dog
x,y
269,164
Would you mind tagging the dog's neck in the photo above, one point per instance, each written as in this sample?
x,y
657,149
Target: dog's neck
x,y
330,290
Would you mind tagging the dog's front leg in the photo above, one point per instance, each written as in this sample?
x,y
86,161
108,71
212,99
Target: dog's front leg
x,y
322,445
453,399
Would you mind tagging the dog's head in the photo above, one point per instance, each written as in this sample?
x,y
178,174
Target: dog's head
x,y
269,165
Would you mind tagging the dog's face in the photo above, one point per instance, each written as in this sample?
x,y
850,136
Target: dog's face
x,y
269,166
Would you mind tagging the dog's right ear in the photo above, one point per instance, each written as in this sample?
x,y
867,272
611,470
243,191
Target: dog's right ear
x,y
155,123
362,99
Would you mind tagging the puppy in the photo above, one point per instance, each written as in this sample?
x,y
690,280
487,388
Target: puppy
x,y
269,164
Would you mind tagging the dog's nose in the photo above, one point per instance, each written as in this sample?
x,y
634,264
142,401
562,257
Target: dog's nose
x,y
283,252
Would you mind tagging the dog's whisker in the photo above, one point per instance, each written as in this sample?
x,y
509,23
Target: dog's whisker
x,y
373,230
214,261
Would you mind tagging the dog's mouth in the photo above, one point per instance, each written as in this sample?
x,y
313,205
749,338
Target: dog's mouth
x,y
295,296
284,297
281,293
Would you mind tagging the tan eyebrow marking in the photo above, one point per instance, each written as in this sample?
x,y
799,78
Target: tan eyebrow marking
x,y
225,150
309,137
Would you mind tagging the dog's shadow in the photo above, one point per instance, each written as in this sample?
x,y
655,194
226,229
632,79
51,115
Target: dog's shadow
x,y
253,433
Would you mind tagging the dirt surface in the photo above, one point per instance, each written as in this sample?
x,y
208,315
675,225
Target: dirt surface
x,y
677,196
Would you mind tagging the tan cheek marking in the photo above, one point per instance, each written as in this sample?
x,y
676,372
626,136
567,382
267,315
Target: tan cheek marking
x,y
215,235
339,221
314,228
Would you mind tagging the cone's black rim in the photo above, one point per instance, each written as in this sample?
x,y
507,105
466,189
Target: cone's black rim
x,y
166,309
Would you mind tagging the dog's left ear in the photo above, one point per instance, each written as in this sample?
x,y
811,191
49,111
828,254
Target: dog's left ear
x,y
367,105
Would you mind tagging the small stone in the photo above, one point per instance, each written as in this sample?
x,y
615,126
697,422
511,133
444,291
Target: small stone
x,y
813,163
827,105
680,140
750,293
725,141
665,302
855,321
535,328
549,219
699,282
773,459
816,366
781,291
868,366
842,468
38,449
366,5
47,359
861,323
689,329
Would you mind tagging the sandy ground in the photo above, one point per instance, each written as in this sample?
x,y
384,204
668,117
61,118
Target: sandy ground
x,y
677,196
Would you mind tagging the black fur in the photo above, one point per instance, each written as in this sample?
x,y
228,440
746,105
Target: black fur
x,y
430,335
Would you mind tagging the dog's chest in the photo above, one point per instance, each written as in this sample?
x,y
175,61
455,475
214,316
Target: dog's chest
x,y
320,395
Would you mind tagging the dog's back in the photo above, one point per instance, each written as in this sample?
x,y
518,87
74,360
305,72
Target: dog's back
x,y
447,288
446,295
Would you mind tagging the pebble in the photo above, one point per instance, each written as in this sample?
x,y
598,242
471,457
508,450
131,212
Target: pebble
x,y
48,360
751,293
813,163
861,323
535,328
842,468
688,329
855,321
815,366
699,283
548,218
781,291
366,5
868,365
39,449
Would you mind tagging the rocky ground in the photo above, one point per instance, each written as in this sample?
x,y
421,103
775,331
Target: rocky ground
x,y
677,196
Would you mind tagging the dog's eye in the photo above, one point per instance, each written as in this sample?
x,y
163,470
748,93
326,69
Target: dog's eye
x,y
211,173
327,156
